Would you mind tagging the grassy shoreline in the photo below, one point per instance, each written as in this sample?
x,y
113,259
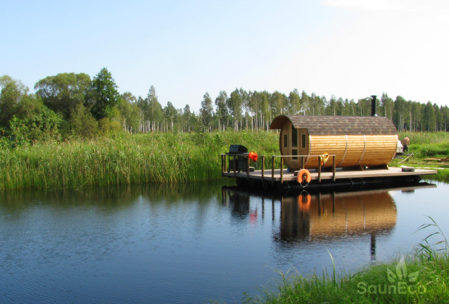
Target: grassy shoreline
x,y
157,158
422,277
424,281
124,159
426,146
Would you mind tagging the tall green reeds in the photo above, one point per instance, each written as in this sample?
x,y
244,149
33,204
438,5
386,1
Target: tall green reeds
x,y
427,148
426,137
125,159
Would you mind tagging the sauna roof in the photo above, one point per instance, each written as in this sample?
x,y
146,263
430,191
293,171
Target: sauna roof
x,y
338,125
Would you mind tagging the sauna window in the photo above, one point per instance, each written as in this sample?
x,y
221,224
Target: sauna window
x,y
294,137
295,154
303,141
285,141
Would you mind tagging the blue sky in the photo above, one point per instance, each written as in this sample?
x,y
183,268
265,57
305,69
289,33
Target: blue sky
x,y
346,48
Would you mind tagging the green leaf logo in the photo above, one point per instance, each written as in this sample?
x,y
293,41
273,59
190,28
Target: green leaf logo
x,y
401,274
413,277
391,276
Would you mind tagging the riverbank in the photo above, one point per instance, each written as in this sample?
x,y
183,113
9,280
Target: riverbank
x,y
125,159
414,280
159,158
420,278
427,150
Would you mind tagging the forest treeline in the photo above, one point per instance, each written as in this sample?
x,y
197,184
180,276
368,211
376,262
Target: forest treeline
x,y
70,104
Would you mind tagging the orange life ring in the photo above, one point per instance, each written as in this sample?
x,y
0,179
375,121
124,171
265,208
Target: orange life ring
x,y
304,205
300,177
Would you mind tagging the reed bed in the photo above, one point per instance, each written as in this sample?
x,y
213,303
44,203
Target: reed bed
x,y
426,137
150,158
425,146
124,159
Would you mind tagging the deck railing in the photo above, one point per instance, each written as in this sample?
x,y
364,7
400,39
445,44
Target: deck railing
x,y
301,158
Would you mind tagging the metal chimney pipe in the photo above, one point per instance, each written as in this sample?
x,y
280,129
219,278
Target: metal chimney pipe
x,y
373,105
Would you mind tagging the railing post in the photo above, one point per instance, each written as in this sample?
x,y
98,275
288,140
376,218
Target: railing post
x,y
222,165
225,164
272,168
282,167
263,167
247,166
226,168
334,167
233,164
319,169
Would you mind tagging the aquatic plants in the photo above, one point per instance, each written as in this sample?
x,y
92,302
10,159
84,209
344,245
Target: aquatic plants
x,y
124,159
147,158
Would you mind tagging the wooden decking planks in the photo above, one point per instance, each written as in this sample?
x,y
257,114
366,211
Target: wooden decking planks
x,y
373,173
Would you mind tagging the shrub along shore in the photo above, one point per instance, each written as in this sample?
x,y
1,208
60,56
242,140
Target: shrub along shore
x,y
157,158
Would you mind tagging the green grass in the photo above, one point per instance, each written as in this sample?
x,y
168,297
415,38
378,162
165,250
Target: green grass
x,y
156,157
125,159
420,278
426,145
430,150
426,137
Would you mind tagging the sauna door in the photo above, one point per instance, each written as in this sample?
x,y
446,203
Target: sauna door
x,y
294,143
302,143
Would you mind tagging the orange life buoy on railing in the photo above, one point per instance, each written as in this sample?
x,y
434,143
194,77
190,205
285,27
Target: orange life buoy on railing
x,y
304,177
304,202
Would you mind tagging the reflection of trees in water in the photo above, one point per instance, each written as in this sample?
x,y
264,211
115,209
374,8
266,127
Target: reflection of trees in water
x,y
201,192
110,197
99,196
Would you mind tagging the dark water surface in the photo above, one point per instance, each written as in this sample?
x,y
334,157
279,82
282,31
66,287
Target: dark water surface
x,y
192,244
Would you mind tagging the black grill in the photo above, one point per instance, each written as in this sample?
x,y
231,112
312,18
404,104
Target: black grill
x,y
239,162
237,149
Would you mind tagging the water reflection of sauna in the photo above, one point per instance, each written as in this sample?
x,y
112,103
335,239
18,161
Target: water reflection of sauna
x,y
305,218
336,214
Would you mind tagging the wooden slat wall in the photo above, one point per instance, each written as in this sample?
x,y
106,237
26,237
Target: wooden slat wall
x,y
380,150
350,150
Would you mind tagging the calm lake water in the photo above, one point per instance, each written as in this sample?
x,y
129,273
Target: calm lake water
x,y
192,244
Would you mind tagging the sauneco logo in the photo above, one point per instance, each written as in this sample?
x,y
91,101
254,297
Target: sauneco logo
x,y
400,282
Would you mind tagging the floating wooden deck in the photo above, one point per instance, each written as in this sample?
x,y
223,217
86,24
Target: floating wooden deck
x,y
317,176
283,180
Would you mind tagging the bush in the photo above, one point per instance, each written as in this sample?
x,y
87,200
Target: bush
x,y
82,123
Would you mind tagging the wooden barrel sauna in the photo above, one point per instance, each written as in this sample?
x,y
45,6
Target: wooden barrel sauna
x,y
365,141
